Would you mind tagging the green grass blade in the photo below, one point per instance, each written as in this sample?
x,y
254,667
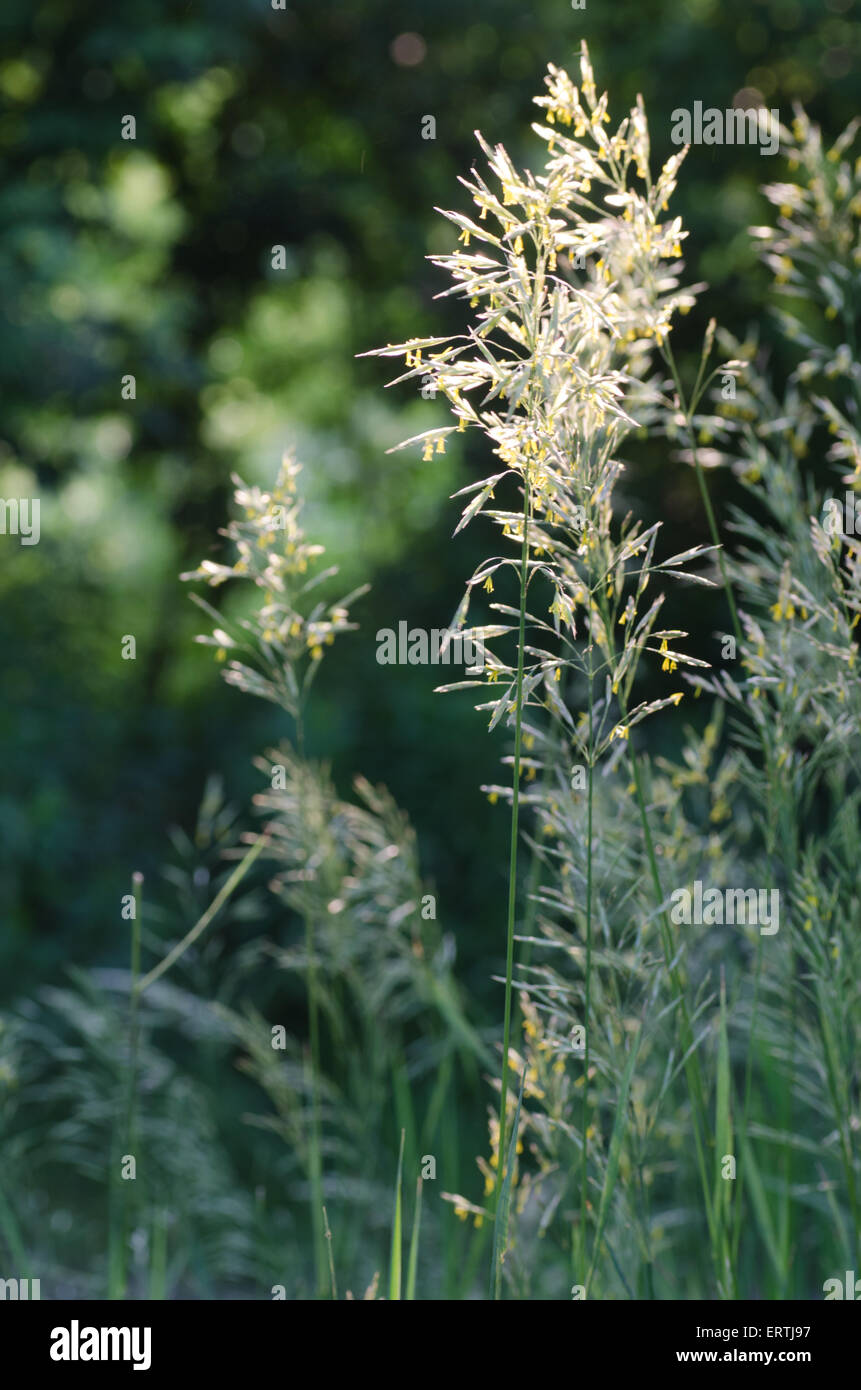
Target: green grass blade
x,y
203,922
759,1201
500,1229
412,1263
397,1229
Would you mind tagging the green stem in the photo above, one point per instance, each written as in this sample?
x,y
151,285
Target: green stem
x,y
496,1281
704,492
588,992
331,1257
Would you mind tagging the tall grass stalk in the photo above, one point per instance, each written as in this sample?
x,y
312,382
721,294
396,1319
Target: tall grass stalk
x,y
587,1010
396,1254
289,633
565,356
334,1283
512,864
503,1205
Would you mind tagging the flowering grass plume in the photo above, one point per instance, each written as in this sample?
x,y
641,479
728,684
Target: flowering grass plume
x,y
556,371
276,651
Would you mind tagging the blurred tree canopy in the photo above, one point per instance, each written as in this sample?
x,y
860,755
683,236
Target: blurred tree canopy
x,y
300,127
